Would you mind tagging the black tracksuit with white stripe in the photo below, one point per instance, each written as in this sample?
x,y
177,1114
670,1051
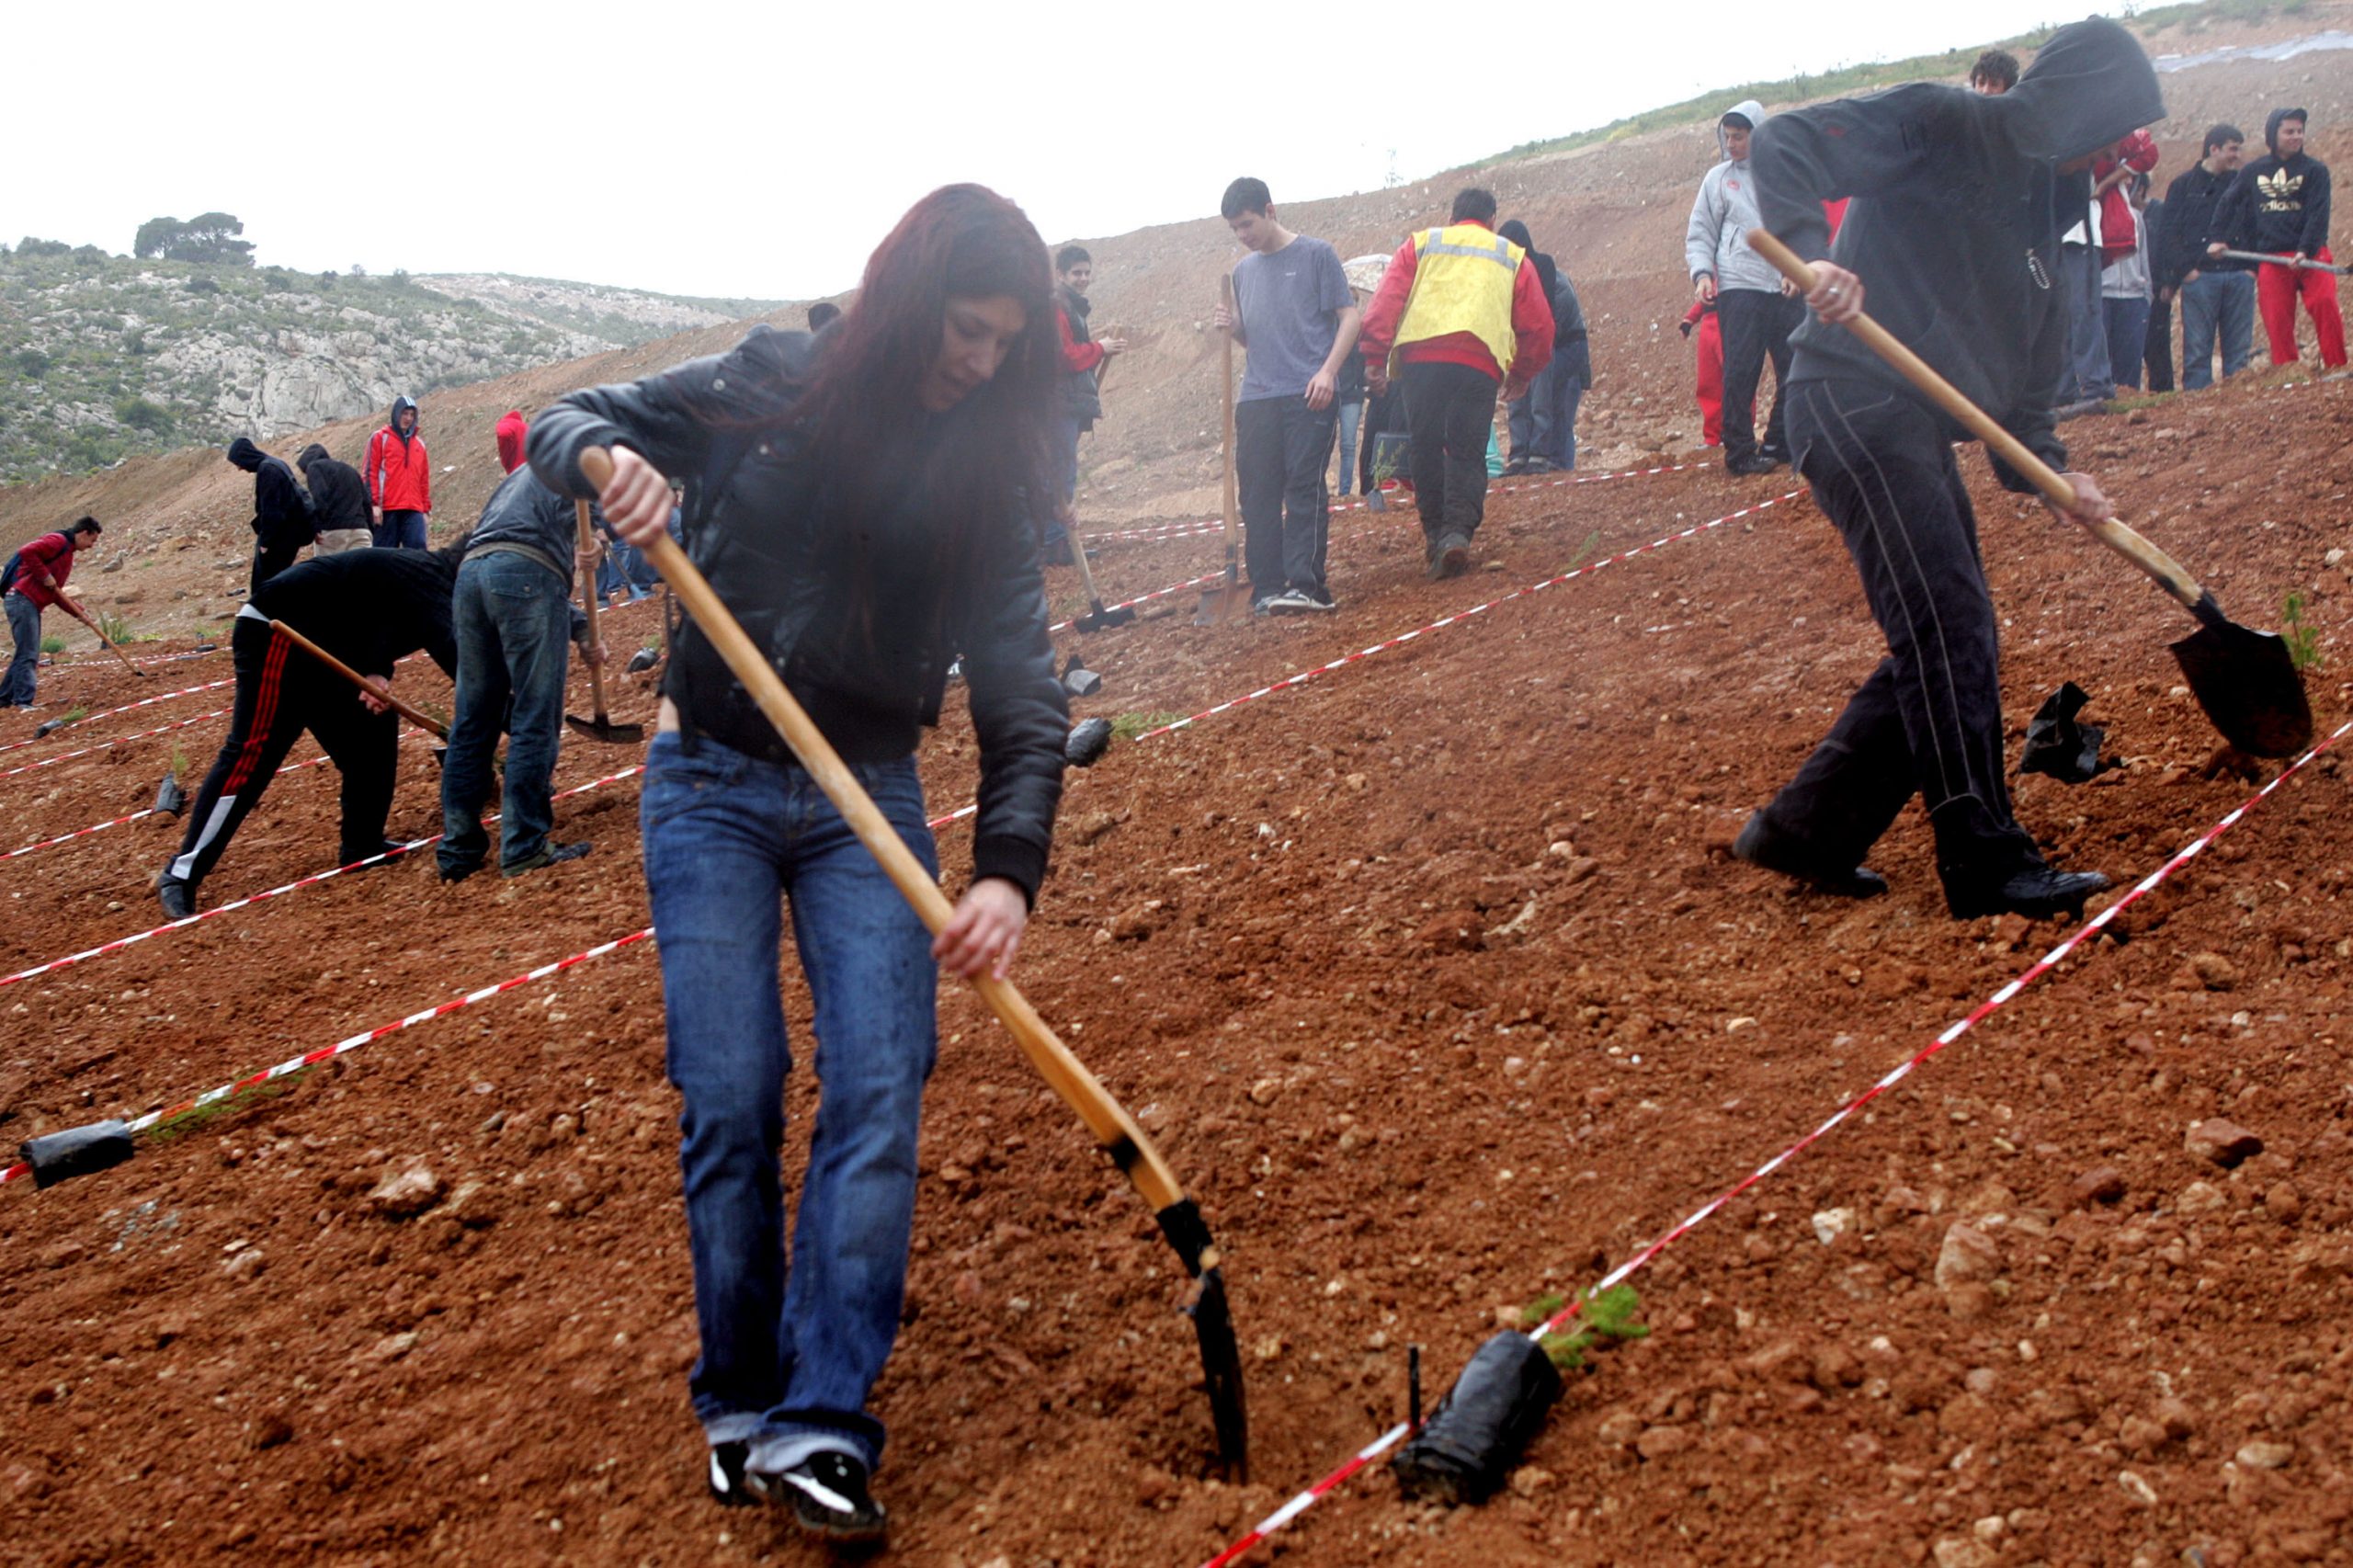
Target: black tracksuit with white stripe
x,y
1954,232
368,608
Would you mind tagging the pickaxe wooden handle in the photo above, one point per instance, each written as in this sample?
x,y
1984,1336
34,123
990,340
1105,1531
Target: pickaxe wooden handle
x,y
414,715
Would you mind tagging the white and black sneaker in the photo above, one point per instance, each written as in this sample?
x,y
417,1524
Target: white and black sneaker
x,y
1317,600
1291,601
730,1483
829,1498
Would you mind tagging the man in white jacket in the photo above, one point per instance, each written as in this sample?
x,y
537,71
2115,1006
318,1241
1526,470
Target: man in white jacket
x,y
1757,315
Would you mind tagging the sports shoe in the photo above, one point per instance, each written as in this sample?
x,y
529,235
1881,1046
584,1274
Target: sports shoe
x,y
1291,601
731,1485
1760,845
1318,601
2037,892
1263,605
1748,467
829,1498
1450,558
549,855
178,898
450,874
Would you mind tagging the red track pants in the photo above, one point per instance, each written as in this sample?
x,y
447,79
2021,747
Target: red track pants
x,y
2276,289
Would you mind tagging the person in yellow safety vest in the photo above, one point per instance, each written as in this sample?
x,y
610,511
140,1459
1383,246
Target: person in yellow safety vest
x,y
1460,320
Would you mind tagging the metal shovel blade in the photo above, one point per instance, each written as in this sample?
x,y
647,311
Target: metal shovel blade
x,y
1182,1224
601,728
1102,620
2248,686
1229,600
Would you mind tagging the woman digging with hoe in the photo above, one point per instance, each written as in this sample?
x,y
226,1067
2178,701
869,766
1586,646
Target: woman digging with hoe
x,y
861,509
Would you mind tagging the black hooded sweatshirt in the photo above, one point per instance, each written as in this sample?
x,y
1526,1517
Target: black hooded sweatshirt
x,y
282,507
338,495
1954,229
2276,205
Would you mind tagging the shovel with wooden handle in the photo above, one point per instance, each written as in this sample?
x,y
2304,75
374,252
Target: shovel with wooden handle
x,y
2244,679
417,716
1229,598
1114,1129
108,644
601,727
1097,619
2307,265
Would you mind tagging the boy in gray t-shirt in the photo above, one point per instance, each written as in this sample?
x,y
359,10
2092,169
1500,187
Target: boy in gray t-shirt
x,y
1298,320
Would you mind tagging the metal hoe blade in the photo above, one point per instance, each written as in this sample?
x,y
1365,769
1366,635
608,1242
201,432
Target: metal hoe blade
x,y
1212,1318
2248,686
603,729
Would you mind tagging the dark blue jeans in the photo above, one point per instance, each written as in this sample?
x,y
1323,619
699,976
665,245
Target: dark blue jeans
x,y
23,627
2217,311
789,1355
1544,421
399,530
512,620
624,566
2126,324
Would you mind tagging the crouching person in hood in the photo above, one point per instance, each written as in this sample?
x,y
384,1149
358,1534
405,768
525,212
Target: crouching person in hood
x,y
1968,286
281,522
338,501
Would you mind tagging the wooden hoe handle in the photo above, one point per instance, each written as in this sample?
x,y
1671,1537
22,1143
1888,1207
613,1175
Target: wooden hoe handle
x,y
2169,573
588,597
415,716
1112,1125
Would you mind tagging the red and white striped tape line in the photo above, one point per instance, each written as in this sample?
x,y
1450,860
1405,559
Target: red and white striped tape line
x,y
117,821
1307,1499
142,702
120,943
107,746
1303,676
353,1042
1204,579
142,663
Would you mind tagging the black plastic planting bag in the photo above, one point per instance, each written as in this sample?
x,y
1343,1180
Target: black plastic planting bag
x,y
78,1151
1087,743
2057,745
1475,1436
170,798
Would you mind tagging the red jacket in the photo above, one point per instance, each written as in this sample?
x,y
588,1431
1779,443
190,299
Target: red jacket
x,y
512,429
1531,325
400,475
2117,237
1078,357
53,554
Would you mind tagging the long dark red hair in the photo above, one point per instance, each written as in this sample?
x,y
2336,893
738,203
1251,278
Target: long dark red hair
x,y
990,466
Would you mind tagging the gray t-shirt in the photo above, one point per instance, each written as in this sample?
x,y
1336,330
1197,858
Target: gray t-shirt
x,y
1290,303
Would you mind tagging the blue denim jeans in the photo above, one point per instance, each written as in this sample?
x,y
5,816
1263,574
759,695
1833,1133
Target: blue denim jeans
x,y
2086,374
2125,324
623,565
512,620
1061,446
1351,415
400,531
789,1355
2217,309
1544,421
24,625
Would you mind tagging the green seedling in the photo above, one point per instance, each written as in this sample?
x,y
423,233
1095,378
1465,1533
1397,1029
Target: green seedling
x,y
114,628
1584,550
2300,635
1606,1316
653,643
75,714
1128,726
53,643
204,1115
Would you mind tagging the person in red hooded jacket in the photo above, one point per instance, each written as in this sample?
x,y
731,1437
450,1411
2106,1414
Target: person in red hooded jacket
x,y
512,429
400,480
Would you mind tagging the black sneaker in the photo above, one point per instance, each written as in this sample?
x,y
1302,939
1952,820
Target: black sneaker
x,y
2039,892
178,897
829,1498
1451,558
1748,467
549,855
450,874
1760,845
731,1485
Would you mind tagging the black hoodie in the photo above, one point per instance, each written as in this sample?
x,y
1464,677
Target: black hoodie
x,y
2276,205
338,495
1955,225
281,507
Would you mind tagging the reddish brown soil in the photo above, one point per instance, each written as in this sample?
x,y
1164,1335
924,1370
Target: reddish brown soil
x,y
1427,979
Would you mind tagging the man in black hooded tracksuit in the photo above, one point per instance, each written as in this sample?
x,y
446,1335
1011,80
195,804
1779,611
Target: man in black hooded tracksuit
x,y
1958,203
282,523
338,501
368,608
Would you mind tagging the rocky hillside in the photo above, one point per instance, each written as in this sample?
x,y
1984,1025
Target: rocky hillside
x,y
102,356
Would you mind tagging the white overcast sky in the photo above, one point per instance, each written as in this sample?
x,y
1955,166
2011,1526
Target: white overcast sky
x,y
760,151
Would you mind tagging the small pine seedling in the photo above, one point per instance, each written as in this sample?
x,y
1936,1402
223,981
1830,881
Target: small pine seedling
x,y
53,643
2300,635
1128,726
1606,1316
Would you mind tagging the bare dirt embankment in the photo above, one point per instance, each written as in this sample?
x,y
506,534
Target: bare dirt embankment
x,y
1431,976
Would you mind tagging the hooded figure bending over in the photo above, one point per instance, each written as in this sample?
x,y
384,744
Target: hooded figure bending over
x,y
1960,199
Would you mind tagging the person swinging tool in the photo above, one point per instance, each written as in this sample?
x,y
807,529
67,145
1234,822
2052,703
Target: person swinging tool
x,y
860,501
368,607
1967,285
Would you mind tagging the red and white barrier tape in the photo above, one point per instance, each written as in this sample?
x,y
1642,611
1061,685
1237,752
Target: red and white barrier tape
x,y
1205,578
2042,966
353,1042
142,663
117,821
142,702
202,914
107,745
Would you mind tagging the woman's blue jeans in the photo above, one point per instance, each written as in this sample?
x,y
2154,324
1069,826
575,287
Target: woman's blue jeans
x,y
789,1355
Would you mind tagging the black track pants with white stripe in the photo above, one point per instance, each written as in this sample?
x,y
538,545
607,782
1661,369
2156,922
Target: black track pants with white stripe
x,y
1929,719
281,691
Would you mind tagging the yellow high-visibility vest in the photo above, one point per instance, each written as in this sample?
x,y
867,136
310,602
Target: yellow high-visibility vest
x,y
1463,276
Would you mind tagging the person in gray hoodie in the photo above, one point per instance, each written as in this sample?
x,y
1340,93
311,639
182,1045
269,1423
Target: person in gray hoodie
x,y
1755,314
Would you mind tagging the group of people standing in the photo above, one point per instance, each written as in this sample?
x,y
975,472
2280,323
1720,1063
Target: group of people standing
x,y
333,506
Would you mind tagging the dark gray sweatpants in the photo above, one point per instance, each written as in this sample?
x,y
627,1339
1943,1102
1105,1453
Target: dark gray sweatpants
x,y
1929,722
